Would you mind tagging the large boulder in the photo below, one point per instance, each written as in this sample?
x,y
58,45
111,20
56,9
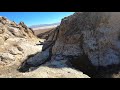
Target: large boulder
x,y
95,34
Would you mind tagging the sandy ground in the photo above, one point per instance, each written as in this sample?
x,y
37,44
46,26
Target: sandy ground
x,y
51,69
42,72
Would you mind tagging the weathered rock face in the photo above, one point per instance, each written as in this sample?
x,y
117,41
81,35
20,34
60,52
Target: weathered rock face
x,y
27,30
16,42
12,29
95,34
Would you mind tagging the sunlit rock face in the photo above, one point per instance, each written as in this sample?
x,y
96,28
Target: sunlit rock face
x,y
16,42
96,34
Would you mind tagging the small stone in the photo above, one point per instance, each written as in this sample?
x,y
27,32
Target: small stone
x,y
19,48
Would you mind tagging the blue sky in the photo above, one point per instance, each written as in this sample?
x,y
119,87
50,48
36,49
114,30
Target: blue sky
x,y
35,18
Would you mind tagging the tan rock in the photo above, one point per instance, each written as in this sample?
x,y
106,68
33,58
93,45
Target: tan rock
x,y
1,40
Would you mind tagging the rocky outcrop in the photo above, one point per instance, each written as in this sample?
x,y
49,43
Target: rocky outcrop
x,y
21,52
18,30
17,41
94,34
27,30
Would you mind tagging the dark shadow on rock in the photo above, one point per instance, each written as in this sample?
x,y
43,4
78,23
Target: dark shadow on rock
x,y
27,67
108,72
24,67
83,64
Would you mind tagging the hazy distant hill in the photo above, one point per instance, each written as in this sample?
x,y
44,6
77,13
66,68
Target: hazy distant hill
x,y
38,29
44,25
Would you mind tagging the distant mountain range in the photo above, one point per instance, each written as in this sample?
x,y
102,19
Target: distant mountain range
x,y
44,25
38,29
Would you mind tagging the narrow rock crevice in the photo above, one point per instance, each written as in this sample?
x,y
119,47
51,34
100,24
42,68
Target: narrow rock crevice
x,y
47,47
